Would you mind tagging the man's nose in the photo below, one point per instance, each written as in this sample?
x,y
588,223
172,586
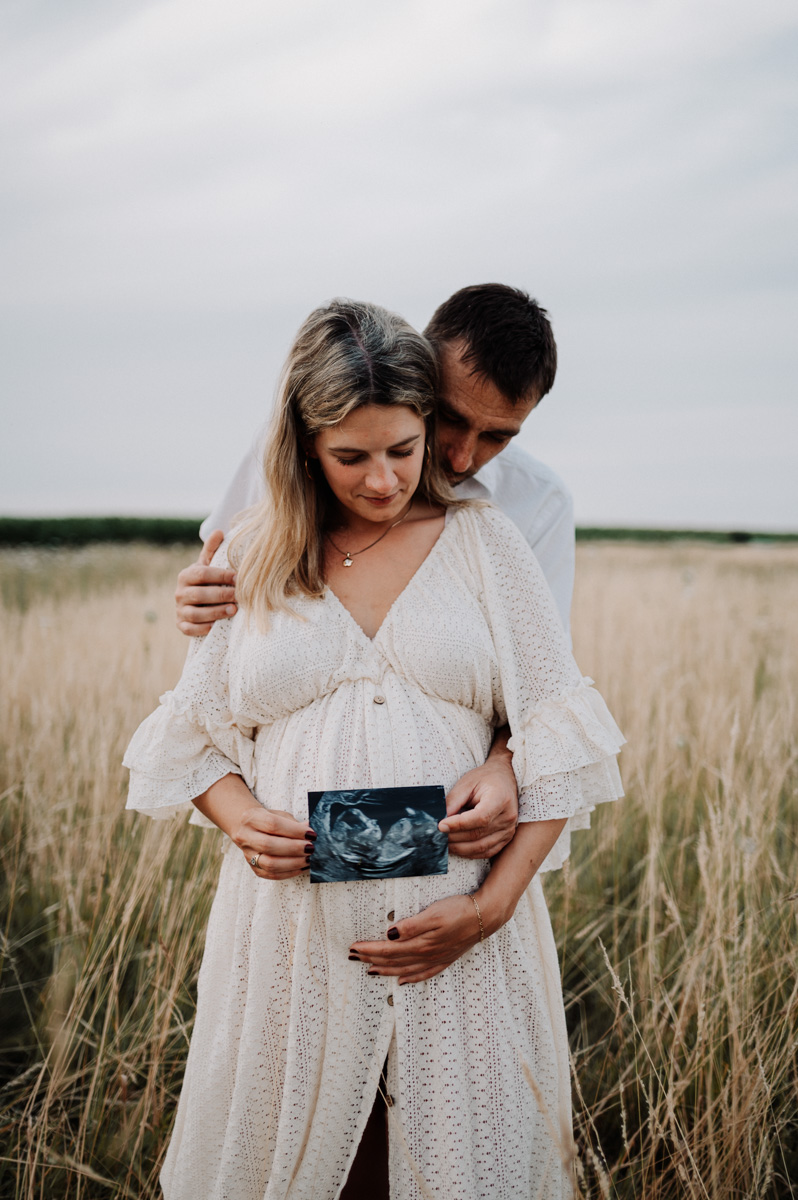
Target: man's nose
x,y
459,453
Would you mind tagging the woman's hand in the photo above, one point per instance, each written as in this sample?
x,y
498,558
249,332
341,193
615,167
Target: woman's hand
x,y
422,946
280,845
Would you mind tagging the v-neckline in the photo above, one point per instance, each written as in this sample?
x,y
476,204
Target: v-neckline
x,y
448,522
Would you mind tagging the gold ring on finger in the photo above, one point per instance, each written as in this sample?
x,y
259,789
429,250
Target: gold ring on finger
x,y
253,862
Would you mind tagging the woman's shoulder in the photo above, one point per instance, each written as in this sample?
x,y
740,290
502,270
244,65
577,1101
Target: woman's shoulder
x,y
495,553
482,523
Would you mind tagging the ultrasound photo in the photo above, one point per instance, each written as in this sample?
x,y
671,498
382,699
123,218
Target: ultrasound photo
x,y
377,833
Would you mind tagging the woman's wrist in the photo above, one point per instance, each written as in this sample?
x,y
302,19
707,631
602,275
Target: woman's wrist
x,y
225,803
496,909
513,869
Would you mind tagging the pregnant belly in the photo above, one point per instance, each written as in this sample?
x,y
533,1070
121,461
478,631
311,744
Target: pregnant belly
x,y
362,736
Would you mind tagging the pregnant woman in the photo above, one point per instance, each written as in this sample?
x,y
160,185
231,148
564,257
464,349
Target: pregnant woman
x,y
385,629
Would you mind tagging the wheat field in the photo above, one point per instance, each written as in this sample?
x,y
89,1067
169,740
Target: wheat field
x,y
675,918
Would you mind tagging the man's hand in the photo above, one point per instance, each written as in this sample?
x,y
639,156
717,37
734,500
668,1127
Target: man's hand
x,y
205,594
489,794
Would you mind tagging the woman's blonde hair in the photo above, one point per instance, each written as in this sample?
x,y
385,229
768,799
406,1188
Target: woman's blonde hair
x,y
345,355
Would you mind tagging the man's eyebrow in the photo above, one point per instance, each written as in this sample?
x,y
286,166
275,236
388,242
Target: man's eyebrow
x,y
455,418
359,449
505,433
451,414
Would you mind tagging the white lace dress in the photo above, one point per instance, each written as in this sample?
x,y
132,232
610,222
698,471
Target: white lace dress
x,y
290,1036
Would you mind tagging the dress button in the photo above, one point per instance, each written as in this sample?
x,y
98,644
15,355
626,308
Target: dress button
x,y
379,699
390,915
390,1001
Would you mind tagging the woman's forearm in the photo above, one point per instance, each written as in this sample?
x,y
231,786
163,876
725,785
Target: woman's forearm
x,y
513,869
226,802
274,843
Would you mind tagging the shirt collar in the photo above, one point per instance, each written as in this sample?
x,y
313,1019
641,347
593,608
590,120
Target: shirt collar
x,y
480,486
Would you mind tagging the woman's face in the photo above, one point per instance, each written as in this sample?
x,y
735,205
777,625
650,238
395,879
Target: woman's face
x,y
372,460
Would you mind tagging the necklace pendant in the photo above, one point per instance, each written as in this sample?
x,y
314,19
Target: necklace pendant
x,y
348,560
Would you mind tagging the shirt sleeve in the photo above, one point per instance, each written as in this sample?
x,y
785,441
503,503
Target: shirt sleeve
x,y
564,741
193,738
552,540
245,489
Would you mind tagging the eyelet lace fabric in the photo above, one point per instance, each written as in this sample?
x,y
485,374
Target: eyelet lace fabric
x,y
290,1037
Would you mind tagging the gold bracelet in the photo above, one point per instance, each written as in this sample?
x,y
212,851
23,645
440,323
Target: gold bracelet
x,y
479,918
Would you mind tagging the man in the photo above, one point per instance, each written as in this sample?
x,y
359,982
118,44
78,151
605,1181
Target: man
x,y
497,358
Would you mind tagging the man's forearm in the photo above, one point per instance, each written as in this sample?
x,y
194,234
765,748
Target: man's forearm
x,y
498,747
483,804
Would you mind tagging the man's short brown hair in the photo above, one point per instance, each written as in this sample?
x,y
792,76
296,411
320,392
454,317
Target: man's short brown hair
x,y
508,335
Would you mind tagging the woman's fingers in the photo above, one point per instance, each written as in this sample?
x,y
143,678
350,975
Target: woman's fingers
x,y
401,959
276,822
405,950
275,844
280,847
414,966
420,976
398,954
430,940
280,868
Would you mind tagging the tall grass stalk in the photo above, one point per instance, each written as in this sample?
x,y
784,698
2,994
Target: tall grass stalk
x,y
675,917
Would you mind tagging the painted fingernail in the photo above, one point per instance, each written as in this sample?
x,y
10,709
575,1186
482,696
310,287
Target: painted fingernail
x,y
393,933
372,972
308,848
404,982
354,958
310,834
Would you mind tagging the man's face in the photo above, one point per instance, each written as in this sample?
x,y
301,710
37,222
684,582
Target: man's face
x,y
475,421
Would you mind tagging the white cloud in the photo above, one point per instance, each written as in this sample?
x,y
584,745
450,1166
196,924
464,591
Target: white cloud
x,y
190,165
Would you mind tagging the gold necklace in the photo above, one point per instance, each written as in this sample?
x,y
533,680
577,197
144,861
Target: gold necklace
x,y
350,555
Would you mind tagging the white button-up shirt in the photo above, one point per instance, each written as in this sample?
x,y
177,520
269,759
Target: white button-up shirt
x,y
524,488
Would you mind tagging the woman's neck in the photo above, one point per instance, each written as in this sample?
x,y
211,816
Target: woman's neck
x,y
343,520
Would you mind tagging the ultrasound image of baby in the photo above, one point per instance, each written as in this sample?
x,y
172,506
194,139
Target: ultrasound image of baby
x,y
377,833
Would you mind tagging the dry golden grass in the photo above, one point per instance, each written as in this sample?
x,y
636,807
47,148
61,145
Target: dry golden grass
x,y
675,918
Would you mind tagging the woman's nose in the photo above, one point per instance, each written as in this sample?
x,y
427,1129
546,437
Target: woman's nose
x,y
380,477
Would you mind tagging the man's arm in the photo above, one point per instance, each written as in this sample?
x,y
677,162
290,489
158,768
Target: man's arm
x,y
489,796
204,593
551,537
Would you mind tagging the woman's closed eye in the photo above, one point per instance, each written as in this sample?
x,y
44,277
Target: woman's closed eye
x,y
350,462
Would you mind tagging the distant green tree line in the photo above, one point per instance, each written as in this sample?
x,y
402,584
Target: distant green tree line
x,y
81,531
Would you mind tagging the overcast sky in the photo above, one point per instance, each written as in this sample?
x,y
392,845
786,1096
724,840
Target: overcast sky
x,y
183,181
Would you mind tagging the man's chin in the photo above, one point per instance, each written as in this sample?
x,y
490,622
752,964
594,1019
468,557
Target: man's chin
x,y
453,480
